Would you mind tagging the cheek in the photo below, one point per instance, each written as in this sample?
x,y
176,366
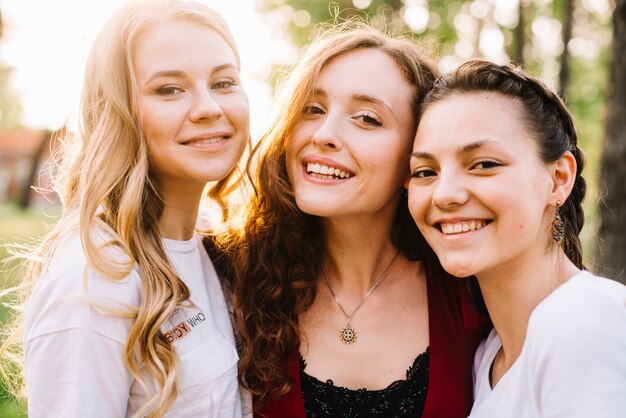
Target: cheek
x,y
158,160
392,165
239,112
291,160
156,135
151,138
154,121
403,152
294,144
417,204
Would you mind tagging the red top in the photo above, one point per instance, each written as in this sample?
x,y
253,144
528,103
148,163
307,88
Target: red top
x,y
455,329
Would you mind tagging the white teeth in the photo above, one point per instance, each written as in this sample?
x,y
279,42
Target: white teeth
x,y
459,227
324,170
210,140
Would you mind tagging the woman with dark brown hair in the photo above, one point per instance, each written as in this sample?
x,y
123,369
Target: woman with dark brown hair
x,y
340,310
496,190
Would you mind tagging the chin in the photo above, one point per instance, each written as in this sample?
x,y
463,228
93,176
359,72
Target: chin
x,y
216,172
310,208
313,207
458,268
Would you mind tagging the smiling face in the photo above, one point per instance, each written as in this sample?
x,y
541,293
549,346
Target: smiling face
x,y
348,154
194,111
479,191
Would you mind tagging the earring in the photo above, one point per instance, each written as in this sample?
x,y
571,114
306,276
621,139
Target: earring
x,y
557,225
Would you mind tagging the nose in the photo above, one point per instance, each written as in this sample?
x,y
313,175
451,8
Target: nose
x,y
204,106
327,134
450,191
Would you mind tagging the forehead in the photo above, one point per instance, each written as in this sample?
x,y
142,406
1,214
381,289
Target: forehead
x,y
482,106
463,118
367,70
180,41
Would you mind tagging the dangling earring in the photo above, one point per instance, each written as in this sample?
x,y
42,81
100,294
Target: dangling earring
x,y
557,225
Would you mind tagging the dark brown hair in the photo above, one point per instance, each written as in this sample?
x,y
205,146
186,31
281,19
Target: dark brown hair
x,y
546,117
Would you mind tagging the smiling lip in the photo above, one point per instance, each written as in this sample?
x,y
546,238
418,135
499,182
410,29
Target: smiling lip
x,y
460,226
325,169
207,140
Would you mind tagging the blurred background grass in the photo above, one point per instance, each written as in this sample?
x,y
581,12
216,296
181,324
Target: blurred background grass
x,y
23,227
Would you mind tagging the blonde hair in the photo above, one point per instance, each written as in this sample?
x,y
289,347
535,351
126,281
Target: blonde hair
x,y
124,201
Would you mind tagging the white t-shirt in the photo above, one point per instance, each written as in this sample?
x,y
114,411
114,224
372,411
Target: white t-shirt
x,y
573,362
74,352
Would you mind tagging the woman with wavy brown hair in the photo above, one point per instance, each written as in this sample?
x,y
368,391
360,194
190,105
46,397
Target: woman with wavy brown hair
x,y
127,316
340,310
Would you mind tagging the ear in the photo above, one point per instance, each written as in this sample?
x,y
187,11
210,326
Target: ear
x,y
406,182
563,177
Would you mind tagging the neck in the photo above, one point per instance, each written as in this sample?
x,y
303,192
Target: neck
x,y
357,253
512,293
180,212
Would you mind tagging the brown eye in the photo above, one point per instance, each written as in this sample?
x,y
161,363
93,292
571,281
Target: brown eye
x,y
423,173
486,164
223,84
370,119
168,90
313,110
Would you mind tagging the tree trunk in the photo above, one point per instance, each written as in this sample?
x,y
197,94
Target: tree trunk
x,y
519,34
564,72
611,251
347,9
396,5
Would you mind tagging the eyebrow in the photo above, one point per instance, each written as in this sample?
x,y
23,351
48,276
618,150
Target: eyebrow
x,y
178,73
360,98
461,150
369,99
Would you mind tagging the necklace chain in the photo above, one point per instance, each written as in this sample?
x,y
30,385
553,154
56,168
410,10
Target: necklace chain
x,y
348,335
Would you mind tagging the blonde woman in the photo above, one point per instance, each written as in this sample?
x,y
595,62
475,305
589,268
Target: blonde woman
x,y
127,316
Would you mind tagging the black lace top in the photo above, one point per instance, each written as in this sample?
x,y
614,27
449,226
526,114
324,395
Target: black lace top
x,y
402,398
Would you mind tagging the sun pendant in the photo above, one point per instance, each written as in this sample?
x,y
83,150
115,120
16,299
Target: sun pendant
x,y
348,335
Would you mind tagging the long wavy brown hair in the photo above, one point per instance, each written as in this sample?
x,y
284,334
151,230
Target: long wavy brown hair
x,y
276,256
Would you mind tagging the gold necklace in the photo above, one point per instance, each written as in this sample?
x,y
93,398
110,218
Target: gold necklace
x,y
348,335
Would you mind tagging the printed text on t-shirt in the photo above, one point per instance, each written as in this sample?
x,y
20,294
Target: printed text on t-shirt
x,y
184,327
